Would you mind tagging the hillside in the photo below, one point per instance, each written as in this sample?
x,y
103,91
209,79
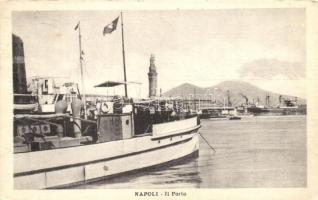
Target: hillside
x,y
237,89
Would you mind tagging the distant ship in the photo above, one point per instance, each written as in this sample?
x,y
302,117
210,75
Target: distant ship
x,y
286,106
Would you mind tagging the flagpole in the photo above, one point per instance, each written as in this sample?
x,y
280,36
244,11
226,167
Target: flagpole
x,y
81,65
123,48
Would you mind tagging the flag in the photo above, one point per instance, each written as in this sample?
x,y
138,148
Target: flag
x,y
76,27
82,54
110,27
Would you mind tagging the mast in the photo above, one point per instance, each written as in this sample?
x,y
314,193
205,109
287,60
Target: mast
x,y
81,65
123,47
194,97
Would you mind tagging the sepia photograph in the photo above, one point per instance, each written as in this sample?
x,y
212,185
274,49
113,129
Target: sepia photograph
x,y
98,95
161,100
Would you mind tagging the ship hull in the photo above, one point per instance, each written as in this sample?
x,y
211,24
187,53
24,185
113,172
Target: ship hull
x,y
278,111
257,110
75,165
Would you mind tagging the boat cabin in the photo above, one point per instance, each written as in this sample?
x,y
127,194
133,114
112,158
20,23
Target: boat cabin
x,y
108,119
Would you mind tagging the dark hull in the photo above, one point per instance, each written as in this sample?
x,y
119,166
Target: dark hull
x,y
256,110
235,118
278,111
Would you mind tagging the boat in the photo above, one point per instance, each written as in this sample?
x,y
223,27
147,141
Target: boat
x,y
215,113
257,109
62,141
52,152
234,118
286,106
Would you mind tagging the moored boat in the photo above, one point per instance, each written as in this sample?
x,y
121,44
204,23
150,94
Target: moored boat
x,y
59,140
63,138
235,118
58,158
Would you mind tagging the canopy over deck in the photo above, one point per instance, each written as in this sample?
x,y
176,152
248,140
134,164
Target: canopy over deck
x,y
115,83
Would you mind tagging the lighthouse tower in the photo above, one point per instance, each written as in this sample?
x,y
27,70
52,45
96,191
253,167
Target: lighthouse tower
x,y
152,76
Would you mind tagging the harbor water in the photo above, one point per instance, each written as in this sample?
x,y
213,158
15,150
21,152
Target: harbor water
x,y
262,151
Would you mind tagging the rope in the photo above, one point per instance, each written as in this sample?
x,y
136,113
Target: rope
x,y
207,142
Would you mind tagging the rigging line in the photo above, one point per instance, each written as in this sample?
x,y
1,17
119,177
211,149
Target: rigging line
x,y
207,142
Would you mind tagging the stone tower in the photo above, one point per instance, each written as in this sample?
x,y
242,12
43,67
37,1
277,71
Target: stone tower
x,y
152,76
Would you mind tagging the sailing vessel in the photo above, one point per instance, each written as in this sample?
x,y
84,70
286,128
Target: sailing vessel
x,y
120,135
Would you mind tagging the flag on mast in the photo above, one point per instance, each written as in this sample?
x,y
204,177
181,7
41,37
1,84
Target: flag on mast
x,y
110,27
76,27
82,54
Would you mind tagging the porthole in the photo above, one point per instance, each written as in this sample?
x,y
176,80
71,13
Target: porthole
x,y
127,122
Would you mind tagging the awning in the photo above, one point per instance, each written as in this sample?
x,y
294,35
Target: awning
x,y
114,83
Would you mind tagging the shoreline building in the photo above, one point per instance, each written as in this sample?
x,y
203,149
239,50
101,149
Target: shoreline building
x,y
152,76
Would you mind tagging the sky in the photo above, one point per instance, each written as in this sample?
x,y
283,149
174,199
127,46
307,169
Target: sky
x,y
265,47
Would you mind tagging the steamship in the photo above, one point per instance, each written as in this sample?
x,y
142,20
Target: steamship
x,y
286,106
59,140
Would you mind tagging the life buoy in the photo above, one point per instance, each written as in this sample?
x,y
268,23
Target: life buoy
x,y
104,108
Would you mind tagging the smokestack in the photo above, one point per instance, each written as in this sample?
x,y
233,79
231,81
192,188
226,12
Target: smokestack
x,y
246,100
228,99
267,100
19,74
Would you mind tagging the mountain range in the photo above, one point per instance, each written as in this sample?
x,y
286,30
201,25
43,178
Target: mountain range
x,y
237,91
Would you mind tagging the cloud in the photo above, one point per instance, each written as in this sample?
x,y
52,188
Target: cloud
x,y
269,68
